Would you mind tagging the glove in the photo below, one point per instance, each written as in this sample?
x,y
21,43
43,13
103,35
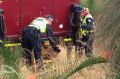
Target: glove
x,y
56,49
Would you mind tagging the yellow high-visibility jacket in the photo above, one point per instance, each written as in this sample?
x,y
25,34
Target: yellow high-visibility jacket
x,y
40,23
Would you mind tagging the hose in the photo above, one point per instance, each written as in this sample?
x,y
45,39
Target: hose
x,y
71,20
2,25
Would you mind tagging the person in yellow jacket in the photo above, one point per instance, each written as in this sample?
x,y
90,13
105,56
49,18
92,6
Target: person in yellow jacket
x,y
31,37
87,31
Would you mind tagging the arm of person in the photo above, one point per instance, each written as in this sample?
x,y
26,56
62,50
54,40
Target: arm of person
x,y
51,38
90,23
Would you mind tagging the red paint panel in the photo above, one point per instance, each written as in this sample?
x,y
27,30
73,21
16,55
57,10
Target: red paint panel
x,y
62,10
19,13
33,9
11,15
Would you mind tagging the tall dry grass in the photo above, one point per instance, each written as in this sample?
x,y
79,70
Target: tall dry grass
x,y
58,69
107,22
108,33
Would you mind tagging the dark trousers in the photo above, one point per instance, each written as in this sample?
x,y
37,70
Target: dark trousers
x,y
89,46
88,40
31,43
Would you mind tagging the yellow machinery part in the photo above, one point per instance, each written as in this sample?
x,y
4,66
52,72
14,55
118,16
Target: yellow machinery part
x,y
12,44
67,39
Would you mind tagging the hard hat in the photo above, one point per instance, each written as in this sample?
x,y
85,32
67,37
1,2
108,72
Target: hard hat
x,y
50,17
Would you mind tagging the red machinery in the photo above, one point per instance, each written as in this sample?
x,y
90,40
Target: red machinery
x,y
19,13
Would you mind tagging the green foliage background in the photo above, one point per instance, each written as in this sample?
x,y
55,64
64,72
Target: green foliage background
x,y
107,21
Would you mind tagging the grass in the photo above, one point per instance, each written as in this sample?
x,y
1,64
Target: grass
x,y
108,30
10,63
12,70
12,67
116,62
107,19
86,63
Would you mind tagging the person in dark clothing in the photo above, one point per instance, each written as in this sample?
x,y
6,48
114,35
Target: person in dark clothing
x,y
31,37
2,27
87,31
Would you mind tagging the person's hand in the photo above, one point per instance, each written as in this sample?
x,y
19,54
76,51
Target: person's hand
x,y
56,49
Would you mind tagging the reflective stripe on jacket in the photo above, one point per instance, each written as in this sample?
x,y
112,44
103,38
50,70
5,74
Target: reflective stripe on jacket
x,y
87,16
84,31
40,24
